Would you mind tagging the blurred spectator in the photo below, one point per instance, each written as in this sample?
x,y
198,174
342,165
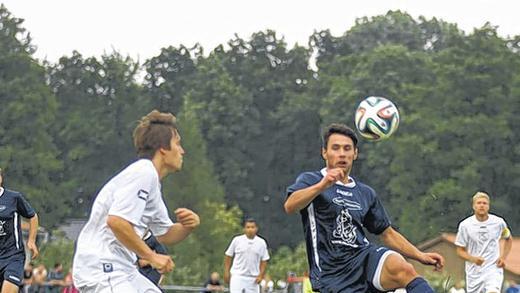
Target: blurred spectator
x,y
68,285
513,287
55,279
28,278
213,284
39,278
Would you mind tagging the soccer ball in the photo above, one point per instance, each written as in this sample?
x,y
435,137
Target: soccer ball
x,y
376,118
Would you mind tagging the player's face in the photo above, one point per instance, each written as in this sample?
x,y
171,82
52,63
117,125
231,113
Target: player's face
x,y
481,206
250,229
173,156
340,152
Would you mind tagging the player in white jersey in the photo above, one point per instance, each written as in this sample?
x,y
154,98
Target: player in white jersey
x,y
478,242
128,205
249,255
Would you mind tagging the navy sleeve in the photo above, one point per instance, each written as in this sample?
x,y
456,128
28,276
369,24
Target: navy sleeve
x,y
155,245
303,181
376,219
23,207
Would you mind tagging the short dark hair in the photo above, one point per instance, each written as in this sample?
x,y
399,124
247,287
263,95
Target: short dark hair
x,y
339,129
249,220
154,131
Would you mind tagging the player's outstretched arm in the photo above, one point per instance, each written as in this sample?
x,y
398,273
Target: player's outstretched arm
x,y
303,197
187,220
124,232
31,240
399,243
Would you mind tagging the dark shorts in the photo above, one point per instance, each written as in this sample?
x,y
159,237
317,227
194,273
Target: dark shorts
x,y
11,269
359,274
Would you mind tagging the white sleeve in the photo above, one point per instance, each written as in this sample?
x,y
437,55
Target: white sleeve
x,y
265,253
130,198
230,251
462,237
162,222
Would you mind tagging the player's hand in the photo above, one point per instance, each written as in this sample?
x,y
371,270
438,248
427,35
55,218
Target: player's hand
x,y
33,249
187,218
258,279
333,175
478,260
433,259
501,262
162,263
227,277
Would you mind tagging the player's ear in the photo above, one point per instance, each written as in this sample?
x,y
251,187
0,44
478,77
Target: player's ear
x,y
355,153
324,153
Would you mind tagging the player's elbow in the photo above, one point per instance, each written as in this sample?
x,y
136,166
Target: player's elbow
x,y
289,208
113,222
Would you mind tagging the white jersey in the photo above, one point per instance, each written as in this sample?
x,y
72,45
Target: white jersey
x,y
247,255
134,195
482,239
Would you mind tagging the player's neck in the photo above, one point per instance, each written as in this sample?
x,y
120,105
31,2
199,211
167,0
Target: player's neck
x,y
482,218
253,237
161,169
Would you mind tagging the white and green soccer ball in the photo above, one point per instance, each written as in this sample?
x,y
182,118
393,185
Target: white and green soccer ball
x,y
376,118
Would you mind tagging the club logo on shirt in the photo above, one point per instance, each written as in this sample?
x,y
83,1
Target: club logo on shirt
x,y
142,194
2,231
2,207
345,231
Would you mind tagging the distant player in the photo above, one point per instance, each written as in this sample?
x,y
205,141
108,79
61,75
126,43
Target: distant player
x,y
128,205
249,256
478,243
13,206
335,208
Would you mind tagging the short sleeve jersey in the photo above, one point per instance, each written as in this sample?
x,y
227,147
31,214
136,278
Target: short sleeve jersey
x,y
333,223
134,195
482,239
247,255
12,206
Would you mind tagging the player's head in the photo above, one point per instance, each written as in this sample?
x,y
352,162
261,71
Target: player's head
x,y
250,227
156,138
339,149
481,203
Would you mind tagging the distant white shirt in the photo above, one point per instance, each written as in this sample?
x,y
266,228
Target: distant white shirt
x,y
134,195
247,255
482,239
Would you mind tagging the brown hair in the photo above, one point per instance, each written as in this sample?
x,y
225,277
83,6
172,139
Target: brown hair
x,y
339,129
153,132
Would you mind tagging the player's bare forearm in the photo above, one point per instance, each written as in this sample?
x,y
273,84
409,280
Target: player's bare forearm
x,y
33,228
302,198
506,247
464,254
124,232
399,243
175,234
227,266
263,267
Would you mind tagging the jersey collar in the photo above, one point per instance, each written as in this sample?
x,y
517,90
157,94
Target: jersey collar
x,y
1,191
351,182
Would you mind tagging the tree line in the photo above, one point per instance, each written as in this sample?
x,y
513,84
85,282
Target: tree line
x,y
250,114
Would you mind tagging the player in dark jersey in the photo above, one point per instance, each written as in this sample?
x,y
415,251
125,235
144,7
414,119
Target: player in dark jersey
x,y
335,208
12,253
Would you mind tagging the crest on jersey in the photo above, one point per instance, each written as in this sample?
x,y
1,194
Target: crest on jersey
x,y
345,231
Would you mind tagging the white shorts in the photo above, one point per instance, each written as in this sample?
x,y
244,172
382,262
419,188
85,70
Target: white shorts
x,y
128,283
242,284
489,281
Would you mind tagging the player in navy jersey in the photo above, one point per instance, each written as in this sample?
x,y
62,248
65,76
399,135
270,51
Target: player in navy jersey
x,y
335,210
12,254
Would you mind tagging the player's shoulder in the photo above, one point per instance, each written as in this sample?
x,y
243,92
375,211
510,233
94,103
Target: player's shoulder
x,y
495,218
310,176
467,221
365,188
12,193
261,239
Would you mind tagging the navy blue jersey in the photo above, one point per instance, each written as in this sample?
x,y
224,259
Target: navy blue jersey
x,y
12,206
333,224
